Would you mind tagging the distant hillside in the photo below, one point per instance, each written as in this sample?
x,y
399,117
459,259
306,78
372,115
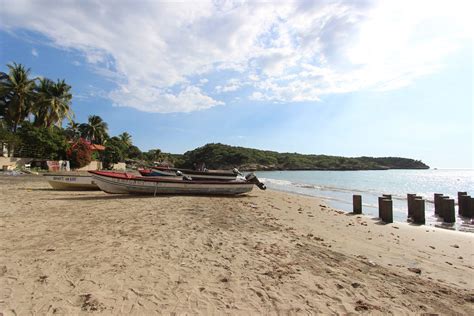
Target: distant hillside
x,y
219,156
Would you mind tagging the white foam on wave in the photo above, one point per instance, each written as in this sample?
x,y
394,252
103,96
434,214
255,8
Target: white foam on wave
x,y
276,181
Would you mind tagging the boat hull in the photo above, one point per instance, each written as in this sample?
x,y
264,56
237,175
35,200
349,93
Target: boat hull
x,y
141,185
72,182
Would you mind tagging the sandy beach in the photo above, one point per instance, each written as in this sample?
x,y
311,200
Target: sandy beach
x,y
266,253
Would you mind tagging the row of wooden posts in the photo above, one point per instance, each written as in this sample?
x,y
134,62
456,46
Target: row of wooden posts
x,y
444,207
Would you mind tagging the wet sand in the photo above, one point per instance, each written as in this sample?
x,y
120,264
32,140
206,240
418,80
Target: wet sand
x,y
265,252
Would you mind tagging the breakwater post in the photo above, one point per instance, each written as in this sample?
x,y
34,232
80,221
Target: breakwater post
x,y
384,196
418,211
448,210
380,206
461,202
470,212
468,206
386,211
357,204
410,198
442,206
437,203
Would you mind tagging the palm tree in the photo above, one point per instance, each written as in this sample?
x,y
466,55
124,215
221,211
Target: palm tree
x,y
96,130
73,130
53,104
17,92
126,138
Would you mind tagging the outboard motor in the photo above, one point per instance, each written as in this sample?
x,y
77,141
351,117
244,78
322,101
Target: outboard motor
x,y
179,173
252,178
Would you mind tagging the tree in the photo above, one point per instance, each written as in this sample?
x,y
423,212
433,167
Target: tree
x,y
95,131
53,103
153,155
17,92
133,152
126,138
114,152
41,142
80,154
3,99
72,131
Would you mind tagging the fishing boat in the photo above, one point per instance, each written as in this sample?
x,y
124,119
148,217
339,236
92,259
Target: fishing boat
x,y
194,174
124,183
71,181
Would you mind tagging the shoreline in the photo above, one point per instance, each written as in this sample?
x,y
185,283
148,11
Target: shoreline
x,y
328,200
264,252
370,187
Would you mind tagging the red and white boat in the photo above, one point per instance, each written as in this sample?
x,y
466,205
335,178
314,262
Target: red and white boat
x,y
124,183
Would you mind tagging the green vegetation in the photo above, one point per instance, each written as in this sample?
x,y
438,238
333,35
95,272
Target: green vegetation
x,y
219,156
41,142
95,130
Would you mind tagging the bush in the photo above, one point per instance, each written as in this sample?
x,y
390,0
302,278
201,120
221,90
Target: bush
x,y
112,154
79,154
42,142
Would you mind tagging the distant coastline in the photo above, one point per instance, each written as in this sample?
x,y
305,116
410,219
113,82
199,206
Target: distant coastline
x,y
270,168
220,156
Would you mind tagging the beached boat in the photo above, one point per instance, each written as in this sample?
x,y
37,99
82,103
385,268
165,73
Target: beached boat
x,y
124,183
71,181
193,174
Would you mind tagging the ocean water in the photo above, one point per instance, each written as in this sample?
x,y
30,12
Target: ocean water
x,y
337,187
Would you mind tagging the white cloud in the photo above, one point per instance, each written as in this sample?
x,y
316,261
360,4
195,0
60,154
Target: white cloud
x,y
34,52
190,98
283,51
233,84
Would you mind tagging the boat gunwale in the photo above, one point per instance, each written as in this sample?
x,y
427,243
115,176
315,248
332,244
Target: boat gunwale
x,y
65,175
196,172
146,179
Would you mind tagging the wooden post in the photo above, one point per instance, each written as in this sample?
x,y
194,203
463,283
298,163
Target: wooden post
x,y
437,204
449,213
468,206
387,210
384,196
463,205
442,206
410,198
419,211
380,206
460,203
357,204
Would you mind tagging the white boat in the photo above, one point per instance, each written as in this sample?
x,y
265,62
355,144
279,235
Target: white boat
x,y
123,183
71,181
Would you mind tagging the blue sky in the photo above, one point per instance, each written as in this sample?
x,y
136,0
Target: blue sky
x,y
350,78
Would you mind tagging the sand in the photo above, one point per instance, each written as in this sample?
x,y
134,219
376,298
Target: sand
x,y
264,253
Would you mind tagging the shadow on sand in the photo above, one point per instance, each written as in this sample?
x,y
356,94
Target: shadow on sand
x,y
107,197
